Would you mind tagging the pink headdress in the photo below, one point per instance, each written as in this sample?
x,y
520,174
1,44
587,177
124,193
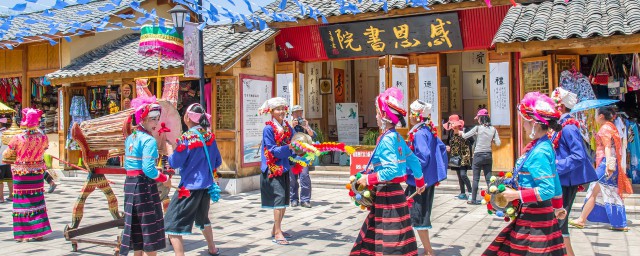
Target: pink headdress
x,y
145,106
31,117
195,117
538,107
390,103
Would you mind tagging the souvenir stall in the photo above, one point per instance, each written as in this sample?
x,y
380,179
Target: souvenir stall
x,y
11,92
44,96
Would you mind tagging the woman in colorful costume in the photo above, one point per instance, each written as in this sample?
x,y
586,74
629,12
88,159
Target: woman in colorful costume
x,y
275,152
387,228
604,202
572,163
535,229
30,220
432,153
144,223
191,202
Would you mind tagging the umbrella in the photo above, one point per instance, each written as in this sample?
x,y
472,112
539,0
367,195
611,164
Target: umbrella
x,y
4,109
162,42
591,104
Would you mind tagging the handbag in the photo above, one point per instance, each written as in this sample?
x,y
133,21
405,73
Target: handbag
x,y
599,71
454,161
633,83
214,189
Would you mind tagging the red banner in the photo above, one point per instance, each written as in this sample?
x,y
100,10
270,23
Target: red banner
x,y
359,160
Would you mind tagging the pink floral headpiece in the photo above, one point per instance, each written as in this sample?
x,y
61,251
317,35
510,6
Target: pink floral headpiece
x,y
31,117
144,107
195,117
538,107
390,103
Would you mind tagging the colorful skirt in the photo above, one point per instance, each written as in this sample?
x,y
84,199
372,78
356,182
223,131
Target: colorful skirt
x,y
144,223
30,218
609,206
387,228
534,232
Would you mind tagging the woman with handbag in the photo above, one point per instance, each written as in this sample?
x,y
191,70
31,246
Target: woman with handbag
x,y
387,228
191,202
483,134
459,154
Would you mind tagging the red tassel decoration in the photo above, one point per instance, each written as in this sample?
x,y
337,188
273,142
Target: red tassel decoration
x,y
297,169
183,192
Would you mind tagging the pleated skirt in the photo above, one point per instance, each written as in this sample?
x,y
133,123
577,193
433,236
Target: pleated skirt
x,y
534,232
143,217
30,218
387,229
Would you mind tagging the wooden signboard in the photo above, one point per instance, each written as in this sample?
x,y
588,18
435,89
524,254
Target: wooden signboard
x,y
425,33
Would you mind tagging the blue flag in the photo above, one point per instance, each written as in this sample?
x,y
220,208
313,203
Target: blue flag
x,y
60,4
19,7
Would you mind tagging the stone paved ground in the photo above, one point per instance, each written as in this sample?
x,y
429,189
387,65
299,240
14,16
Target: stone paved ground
x,y
329,228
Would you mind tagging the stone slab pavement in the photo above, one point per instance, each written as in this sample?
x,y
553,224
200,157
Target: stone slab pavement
x,y
241,227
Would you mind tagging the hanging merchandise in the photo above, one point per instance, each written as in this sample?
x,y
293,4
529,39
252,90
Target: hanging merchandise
x,y
633,82
600,70
576,82
79,113
634,152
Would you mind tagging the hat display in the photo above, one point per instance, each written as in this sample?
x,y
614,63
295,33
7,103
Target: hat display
x,y
271,104
454,120
420,109
564,97
538,107
390,103
482,112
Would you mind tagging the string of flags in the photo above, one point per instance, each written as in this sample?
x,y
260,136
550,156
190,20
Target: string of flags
x,y
16,29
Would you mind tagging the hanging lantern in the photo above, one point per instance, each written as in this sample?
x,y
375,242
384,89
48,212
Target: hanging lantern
x,y
165,42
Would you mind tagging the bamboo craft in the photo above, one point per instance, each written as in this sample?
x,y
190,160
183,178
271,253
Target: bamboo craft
x,y
106,133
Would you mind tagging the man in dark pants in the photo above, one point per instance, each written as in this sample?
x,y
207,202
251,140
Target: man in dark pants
x,y
572,162
304,198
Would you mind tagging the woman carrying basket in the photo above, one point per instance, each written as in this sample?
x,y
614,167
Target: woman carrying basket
x,y
425,144
197,156
387,228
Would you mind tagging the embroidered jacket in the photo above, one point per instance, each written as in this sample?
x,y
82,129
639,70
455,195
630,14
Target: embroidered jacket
x,y
141,152
537,177
573,165
391,160
190,157
432,154
28,148
281,152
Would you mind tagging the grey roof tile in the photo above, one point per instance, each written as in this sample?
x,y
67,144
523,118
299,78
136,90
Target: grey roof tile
x,y
556,19
221,46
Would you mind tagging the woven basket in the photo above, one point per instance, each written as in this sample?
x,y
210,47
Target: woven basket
x,y
359,190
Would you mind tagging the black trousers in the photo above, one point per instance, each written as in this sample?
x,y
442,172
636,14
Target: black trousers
x,y
463,179
568,196
482,161
47,177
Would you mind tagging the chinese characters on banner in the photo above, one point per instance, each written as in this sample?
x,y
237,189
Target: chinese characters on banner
x,y
347,123
475,85
338,84
301,100
399,76
359,86
428,89
331,101
382,79
359,160
191,51
314,108
426,33
474,61
255,91
453,72
284,85
499,96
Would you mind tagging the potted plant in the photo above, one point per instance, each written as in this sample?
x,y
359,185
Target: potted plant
x,y
370,137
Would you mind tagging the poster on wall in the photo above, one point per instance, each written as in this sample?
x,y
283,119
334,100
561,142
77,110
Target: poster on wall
x,y
475,84
399,76
347,122
474,61
428,89
191,50
444,99
301,90
499,96
453,72
339,89
255,90
285,87
314,108
60,113
381,79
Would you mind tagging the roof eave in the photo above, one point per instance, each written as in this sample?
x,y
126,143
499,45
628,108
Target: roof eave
x,y
571,43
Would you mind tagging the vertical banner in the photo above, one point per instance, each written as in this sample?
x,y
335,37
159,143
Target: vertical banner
x,y
347,122
399,76
499,93
191,50
301,91
284,85
381,79
170,90
338,83
60,110
453,72
331,99
254,90
142,89
359,87
314,106
428,89
348,87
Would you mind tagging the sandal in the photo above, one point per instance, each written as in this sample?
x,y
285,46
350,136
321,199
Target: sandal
x,y
625,229
214,254
576,225
284,234
280,241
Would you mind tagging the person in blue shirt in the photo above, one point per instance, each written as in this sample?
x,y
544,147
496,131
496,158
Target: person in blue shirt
x,y
197,177
574,166
143,218
275,151
432,153
387,228
304,197
535,230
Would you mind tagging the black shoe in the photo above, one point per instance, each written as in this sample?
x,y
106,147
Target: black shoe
x,y
294,204
52,188
474,202
306,204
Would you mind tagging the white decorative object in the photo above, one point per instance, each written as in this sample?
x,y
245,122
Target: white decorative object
x,y
500,101
428,90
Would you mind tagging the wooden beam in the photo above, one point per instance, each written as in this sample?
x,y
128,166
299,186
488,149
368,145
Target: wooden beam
x,y
607,44
127,75
439,8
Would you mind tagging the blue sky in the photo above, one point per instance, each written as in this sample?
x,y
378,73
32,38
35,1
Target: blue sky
x,y
240,6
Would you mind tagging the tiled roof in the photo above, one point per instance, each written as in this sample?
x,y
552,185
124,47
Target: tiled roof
x,y
65,17
332,8
575,19
221,46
